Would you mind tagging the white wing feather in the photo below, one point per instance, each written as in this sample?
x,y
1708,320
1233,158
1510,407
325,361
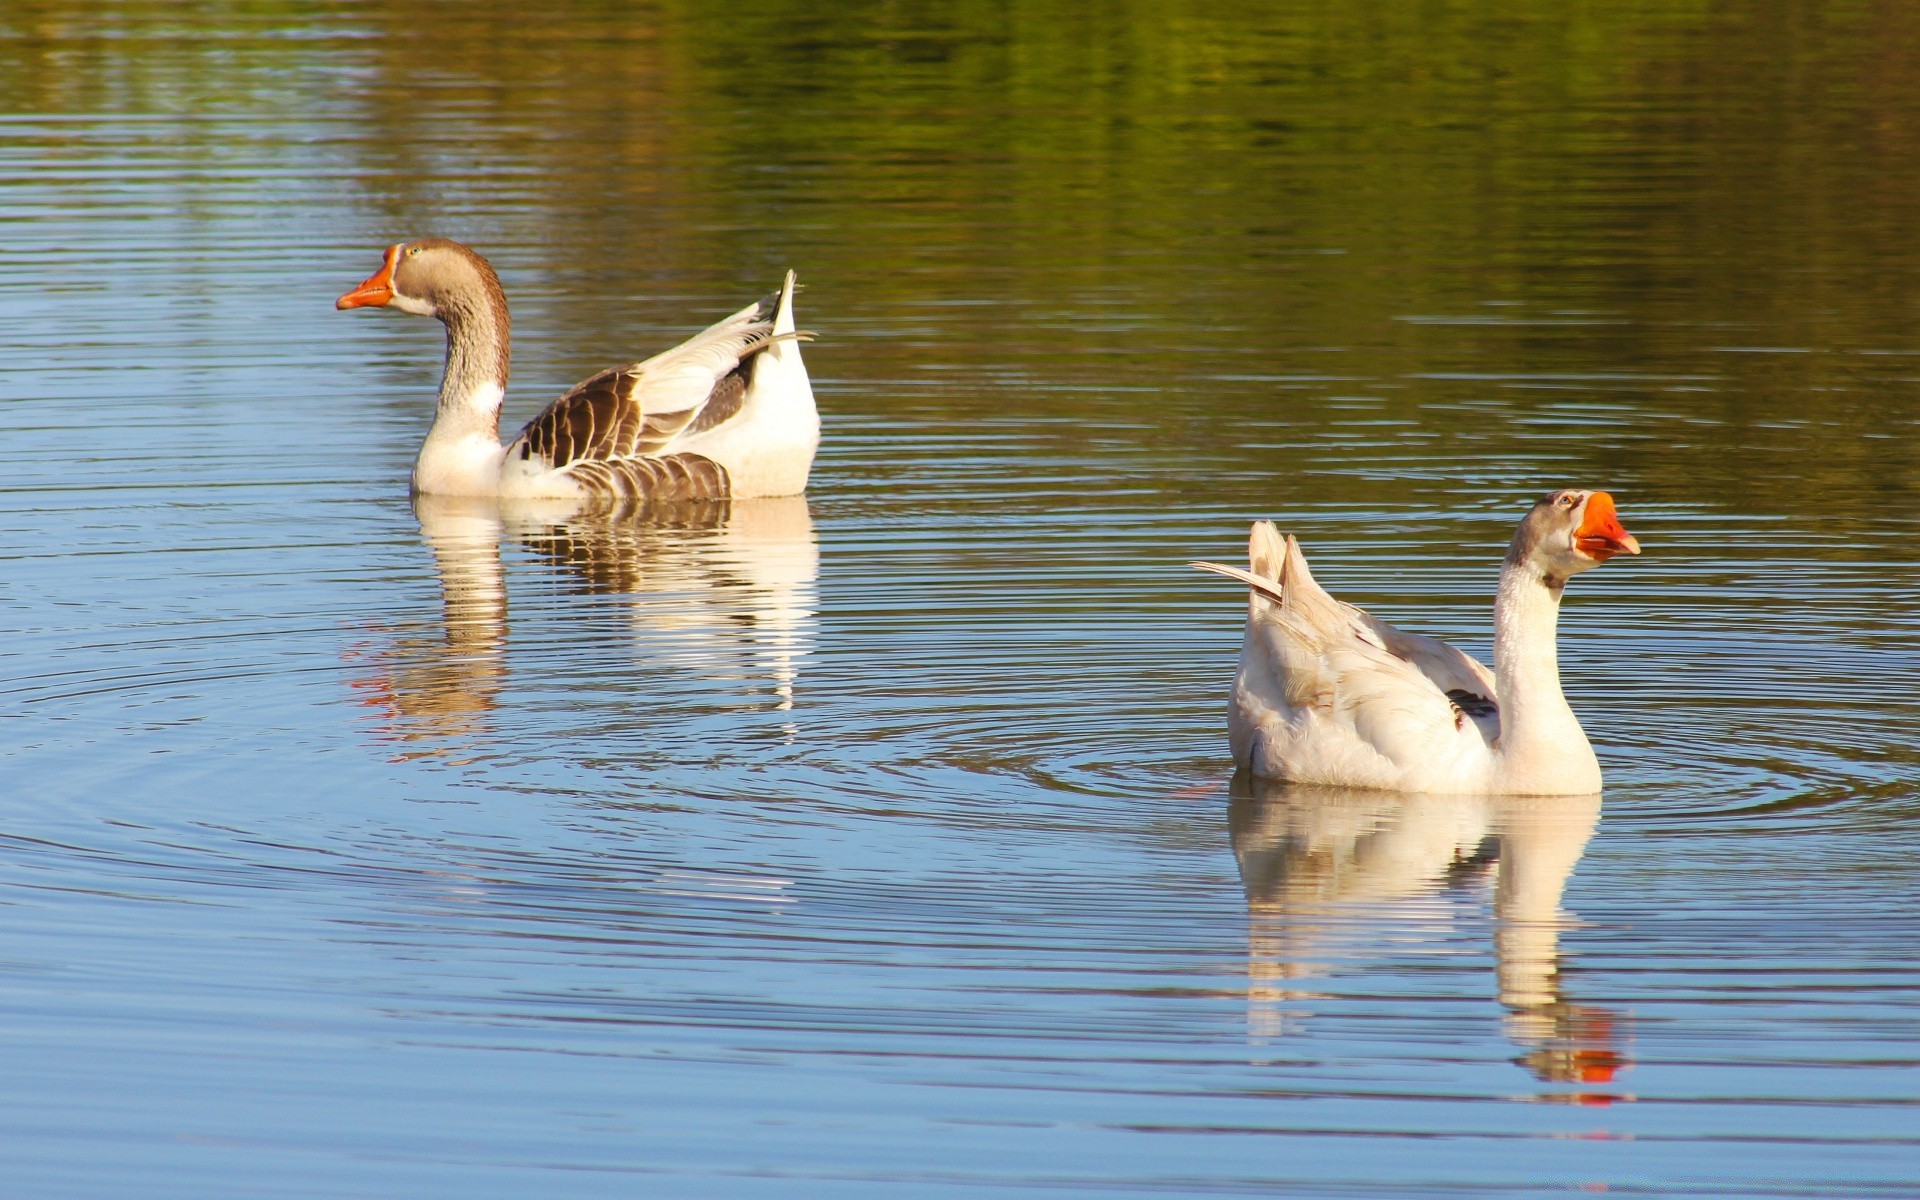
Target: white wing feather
x,y
682,378
1327,693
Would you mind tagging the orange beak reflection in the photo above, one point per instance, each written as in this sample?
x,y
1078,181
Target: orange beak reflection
x,y
1601,535
377,290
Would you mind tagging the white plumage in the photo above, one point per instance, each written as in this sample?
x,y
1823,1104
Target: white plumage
x,y
1326,693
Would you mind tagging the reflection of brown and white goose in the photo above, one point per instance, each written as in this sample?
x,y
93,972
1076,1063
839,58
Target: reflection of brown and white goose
x,y
723,589
432,691
729,412
1327,694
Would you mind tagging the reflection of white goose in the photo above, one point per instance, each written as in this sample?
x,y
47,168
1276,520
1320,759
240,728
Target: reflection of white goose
x,y
1327,694
1541,838
724,589
1322,865
1314,861
1323,846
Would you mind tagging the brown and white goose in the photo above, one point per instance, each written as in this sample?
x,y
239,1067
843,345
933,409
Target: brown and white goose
x,y
728,412
1328,694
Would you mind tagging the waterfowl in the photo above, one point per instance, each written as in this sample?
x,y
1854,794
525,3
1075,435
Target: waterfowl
x,y
728,412
1327,694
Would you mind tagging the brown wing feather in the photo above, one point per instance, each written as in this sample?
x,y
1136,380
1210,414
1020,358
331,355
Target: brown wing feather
x,y
729,393
597,419
601,419
652,477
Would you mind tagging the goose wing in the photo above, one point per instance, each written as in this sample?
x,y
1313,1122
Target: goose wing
x,y
617,431
1352,698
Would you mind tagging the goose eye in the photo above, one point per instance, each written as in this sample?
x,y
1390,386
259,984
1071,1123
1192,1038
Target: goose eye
x,y
1566,502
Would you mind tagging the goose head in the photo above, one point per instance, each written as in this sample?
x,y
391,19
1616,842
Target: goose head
x,y
1570,531
432,277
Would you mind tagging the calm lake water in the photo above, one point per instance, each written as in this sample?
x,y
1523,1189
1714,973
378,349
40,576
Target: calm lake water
x,y
884,842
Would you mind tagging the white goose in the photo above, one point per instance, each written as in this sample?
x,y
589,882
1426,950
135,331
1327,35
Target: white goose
x,y
729,412
1327,694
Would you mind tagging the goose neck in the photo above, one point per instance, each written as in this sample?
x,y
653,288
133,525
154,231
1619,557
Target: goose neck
x,y
475,379
462,453
1533,709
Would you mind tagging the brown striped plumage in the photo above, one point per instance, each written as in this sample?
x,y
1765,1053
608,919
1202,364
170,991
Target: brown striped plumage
x,y
651,476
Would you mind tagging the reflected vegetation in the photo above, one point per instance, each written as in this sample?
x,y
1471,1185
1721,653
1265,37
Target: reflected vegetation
x,y
1693,213
721,589
1332,875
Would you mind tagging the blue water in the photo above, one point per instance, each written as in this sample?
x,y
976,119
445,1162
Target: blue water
x,y
885,842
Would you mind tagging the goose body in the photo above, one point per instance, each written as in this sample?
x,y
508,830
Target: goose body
x,y
727,413
1328,694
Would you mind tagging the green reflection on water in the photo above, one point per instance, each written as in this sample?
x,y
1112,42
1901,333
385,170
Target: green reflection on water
x,y
1663,247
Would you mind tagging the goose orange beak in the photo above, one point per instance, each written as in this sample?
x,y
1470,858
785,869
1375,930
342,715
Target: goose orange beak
x,y
1601,535
377,290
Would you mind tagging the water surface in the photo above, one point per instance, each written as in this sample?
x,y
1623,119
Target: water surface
x,y
884,842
